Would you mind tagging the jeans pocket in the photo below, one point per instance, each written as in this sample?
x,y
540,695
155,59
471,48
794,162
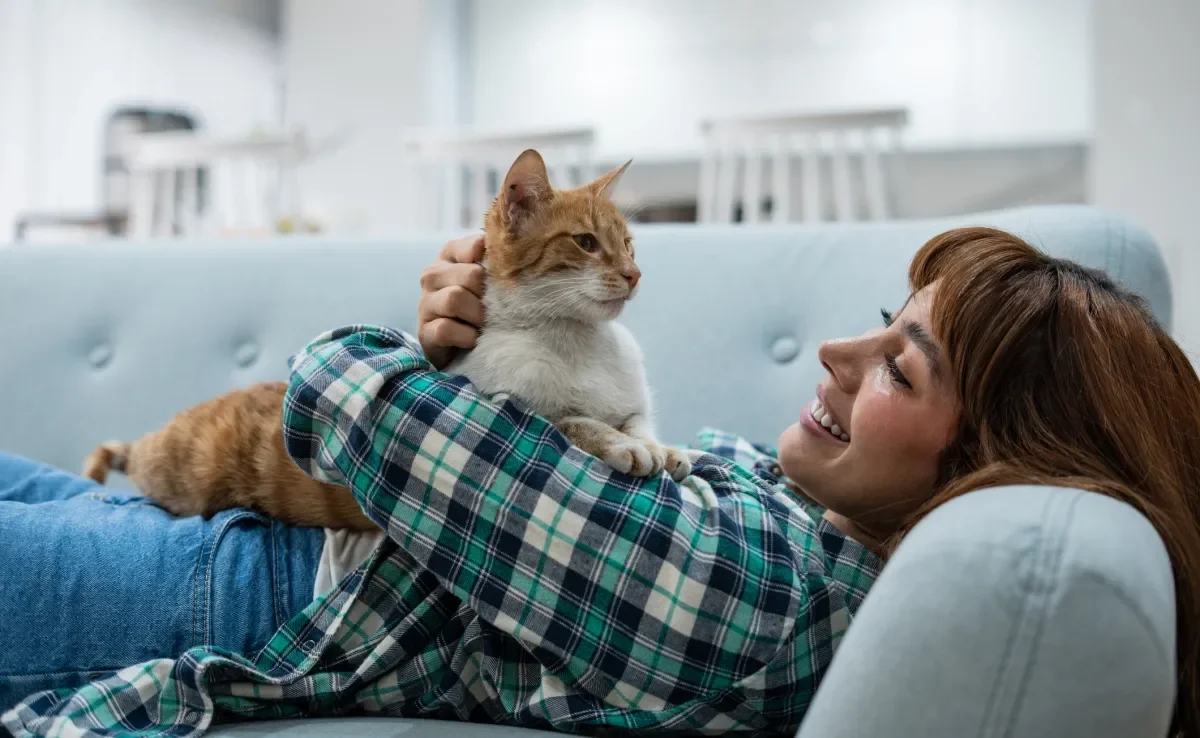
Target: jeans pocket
x,y
235,583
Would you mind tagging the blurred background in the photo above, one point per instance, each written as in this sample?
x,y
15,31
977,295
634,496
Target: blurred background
x,y
128,118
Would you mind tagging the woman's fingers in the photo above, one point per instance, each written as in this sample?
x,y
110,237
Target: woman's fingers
x,y
442,274
450,309
454,301
466,250
444,334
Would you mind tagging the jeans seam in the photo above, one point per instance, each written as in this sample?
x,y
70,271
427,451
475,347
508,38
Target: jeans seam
x,y
278,585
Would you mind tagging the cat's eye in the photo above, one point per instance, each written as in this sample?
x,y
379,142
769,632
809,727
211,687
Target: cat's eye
x,y
586,241
629,244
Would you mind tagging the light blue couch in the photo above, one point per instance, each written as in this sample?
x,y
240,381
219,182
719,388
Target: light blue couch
x,y
1015,611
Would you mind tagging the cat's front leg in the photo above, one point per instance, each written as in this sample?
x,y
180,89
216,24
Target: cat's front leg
x,y
621,451
674,460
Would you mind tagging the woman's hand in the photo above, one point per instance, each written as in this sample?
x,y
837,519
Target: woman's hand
x,y
451,309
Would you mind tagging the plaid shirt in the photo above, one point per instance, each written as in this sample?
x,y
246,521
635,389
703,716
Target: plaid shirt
x,y
524,582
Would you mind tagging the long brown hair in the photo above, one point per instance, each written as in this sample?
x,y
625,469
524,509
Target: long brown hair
x,y
1067,379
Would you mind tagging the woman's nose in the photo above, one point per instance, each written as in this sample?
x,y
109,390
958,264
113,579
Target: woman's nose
x,y
842,359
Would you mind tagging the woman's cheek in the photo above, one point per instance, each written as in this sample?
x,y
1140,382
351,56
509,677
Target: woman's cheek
x,y
883,424
886,431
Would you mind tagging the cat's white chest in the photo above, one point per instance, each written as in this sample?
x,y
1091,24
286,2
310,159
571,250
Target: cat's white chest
x,y
555,373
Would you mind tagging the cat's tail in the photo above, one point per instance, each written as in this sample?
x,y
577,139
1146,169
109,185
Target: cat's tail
x,y
111,456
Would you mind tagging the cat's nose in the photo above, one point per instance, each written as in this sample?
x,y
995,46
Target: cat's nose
x,y
632,277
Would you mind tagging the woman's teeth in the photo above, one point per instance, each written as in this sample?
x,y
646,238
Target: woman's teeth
x,y
826,421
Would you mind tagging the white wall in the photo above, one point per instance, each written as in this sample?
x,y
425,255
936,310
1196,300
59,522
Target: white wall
x,y
360,71
447,62
646,71
1146,156
16,119
65,64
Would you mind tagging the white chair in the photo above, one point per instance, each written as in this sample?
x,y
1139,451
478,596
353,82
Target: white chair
x,y
738,153
186,184
454,175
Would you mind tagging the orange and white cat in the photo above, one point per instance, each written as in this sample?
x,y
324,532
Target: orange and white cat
x,y
560,268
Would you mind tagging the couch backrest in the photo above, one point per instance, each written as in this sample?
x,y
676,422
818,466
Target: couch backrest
x,y
109,340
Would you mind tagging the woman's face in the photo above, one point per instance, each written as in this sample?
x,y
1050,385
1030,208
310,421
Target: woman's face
x,y
867,446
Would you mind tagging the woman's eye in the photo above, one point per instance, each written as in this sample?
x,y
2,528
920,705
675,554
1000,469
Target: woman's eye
x,y
894,370
586,241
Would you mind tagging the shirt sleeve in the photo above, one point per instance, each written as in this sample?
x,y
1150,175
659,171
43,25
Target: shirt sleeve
x,y
641,590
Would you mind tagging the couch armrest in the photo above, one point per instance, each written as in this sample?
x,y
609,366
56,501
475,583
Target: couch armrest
x,y
1023,611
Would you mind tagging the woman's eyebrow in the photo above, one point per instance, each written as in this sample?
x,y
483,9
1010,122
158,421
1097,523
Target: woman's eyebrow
x,y
917,334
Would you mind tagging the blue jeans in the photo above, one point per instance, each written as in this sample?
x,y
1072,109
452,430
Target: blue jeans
x,y
93,579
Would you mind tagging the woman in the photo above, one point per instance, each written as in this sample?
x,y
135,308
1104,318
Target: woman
x,y
554,592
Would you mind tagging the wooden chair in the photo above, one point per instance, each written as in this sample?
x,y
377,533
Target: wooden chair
x,y
740,151
186,184
454,175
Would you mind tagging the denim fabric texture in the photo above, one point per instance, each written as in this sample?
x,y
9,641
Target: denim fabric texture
x,y
97,579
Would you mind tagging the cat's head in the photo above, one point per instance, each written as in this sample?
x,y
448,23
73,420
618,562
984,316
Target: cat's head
x,y
561,253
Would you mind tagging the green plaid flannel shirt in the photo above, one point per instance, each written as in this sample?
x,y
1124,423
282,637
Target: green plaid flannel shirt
x,y
523,582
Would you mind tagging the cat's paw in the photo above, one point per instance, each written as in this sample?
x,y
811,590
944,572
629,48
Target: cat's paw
x,y
635,458
676,463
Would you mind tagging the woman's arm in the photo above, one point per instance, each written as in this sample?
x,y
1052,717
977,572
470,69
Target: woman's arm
x,y
639,585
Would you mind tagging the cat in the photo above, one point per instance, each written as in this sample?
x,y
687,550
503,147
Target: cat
x,y
560,268
228,452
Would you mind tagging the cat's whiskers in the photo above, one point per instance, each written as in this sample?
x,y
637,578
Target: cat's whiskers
x,y
631,214
556,305
562,300
554,308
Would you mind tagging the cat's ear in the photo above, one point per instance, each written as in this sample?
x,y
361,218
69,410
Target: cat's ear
x,y
604,184
526,188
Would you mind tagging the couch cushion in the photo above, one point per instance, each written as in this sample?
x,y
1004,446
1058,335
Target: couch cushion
x,y
109,340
